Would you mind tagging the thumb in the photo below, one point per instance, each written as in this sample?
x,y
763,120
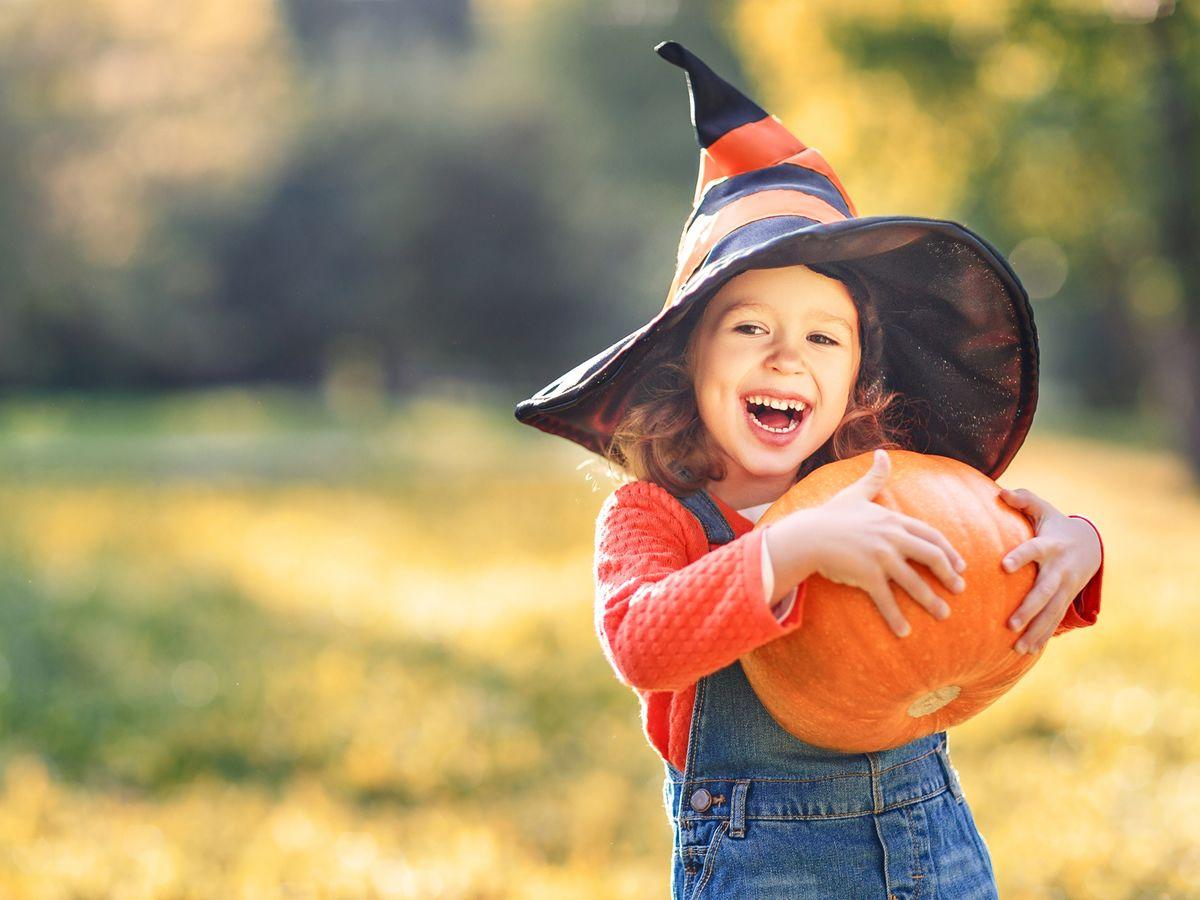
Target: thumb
x,y
871,483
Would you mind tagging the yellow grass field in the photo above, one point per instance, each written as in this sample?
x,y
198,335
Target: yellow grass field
x,y
388,685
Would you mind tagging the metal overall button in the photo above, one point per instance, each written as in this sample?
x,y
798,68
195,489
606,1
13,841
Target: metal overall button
x,y
701,800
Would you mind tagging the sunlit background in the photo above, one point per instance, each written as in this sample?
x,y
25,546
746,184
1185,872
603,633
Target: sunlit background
x,y
291,605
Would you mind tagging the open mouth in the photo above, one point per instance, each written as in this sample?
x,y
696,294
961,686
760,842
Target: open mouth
x,y
779,421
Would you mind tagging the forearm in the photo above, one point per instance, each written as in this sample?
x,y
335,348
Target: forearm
x,y
791,547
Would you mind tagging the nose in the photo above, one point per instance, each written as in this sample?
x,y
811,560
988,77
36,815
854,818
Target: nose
x,y
785,357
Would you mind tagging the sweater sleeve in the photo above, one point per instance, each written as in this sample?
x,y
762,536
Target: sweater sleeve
x,y
1084,610
665,621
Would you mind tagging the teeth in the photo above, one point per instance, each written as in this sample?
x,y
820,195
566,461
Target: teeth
x,y
792,425
763,400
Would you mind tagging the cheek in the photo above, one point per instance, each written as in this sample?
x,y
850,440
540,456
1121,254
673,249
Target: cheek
x,y
714,409
834,403
707,401
721,367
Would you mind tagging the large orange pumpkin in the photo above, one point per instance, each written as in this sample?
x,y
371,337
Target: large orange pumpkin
x,y
844,680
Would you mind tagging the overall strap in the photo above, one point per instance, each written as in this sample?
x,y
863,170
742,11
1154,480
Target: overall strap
x,y
701,505
731,731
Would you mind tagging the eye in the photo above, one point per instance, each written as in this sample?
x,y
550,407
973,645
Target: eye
x,y
826,337
738,328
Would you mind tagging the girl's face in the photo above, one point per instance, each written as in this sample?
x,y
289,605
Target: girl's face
x,y
783,334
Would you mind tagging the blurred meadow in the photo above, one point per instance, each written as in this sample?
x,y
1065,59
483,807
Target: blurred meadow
x,y
369,669
291,605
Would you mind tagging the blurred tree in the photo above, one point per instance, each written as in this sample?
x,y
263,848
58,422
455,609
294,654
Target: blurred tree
x,y
23,316
515,215
626,152
407,236
1065,132
1169,300
132,111
343,29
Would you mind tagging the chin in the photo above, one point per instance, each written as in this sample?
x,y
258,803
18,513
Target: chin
x,y
776,466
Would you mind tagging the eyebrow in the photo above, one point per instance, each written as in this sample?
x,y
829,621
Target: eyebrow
x,y
830,317
821,314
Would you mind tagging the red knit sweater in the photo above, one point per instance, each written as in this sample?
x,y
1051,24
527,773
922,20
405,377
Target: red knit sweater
x,y
671,608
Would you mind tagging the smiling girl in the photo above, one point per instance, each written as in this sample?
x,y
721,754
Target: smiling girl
x,y
796,333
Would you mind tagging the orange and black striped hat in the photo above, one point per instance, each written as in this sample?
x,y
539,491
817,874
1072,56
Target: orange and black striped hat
x,y
959,341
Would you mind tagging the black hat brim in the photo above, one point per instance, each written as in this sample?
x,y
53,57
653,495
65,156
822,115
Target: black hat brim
x,y
959,340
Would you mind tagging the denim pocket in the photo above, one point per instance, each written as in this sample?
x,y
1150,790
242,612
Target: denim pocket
x,y
958,856
702,862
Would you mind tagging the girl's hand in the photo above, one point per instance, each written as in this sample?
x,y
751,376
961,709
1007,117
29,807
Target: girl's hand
x,y
863,544
1067,552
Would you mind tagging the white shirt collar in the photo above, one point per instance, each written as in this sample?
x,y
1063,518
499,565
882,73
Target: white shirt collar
x,y
754,513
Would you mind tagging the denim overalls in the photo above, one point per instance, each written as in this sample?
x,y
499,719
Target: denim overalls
x,y
761,815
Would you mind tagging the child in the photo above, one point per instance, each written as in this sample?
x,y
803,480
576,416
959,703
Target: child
x,y
796,333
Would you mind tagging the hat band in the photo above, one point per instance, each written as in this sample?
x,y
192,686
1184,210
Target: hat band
x,y
706,231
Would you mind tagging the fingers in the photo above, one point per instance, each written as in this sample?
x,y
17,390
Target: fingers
x,y
1041,629
931,534
914,585
1020,498
933,556
897,568
1046,586
1033,506
1033,550
885,601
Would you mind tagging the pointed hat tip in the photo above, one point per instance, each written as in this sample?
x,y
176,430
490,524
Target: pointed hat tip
x,y
673,52
717,106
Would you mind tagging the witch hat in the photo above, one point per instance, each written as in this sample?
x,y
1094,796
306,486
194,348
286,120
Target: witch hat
x,y
958,331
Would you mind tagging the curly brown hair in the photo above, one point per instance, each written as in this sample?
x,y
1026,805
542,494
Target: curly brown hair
x,y
661,438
